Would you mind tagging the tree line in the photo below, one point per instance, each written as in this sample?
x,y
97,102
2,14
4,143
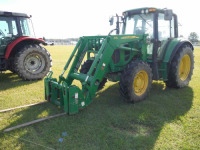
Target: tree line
x,y
193,37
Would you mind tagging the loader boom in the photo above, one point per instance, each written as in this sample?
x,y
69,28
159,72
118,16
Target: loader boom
x,y
71,97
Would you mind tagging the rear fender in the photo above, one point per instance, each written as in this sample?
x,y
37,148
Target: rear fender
x,y
180,44
20,40
172,49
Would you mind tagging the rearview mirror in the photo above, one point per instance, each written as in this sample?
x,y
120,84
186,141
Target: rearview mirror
x,y
168,14
111,20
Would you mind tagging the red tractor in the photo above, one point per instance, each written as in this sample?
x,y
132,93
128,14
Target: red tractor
x,y
20,51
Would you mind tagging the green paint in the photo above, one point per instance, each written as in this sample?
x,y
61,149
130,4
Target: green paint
x,y
170,49
111,55
69,97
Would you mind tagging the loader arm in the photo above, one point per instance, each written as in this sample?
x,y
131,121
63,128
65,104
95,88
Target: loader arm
x,y
70,97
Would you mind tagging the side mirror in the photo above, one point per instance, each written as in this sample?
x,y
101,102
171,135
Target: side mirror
x,y
111,20
168,14
122,19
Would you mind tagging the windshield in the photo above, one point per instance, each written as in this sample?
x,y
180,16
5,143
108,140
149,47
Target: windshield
x,y
139,24
26,27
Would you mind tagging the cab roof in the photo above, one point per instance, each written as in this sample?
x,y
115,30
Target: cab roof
x,y
13,14
143,10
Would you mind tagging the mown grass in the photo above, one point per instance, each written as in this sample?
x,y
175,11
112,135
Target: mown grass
x,y
167,119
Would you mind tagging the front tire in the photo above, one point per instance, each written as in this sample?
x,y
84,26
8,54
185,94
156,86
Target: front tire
x,y
135,81
181,68
32,62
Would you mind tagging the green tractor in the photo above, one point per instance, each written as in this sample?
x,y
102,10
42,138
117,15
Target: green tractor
x,y
20,52
146,48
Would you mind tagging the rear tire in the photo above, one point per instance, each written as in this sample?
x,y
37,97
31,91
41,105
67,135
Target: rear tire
x,y
181,68
11,65
86,67
32,62
135,81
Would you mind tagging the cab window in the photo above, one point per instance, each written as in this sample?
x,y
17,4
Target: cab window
x,y
165,28
139,24
8,27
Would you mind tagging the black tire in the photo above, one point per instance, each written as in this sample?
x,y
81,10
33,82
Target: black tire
x,y
11,66
181,68
85,68
32,62
12,70
129,81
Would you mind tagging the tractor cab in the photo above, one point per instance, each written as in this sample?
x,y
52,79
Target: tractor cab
x,y
160,25
12,26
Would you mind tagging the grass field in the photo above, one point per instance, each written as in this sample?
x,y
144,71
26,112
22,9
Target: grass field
x,y
167,119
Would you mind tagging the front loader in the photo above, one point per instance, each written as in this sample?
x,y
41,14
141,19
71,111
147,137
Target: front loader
x,y
147,48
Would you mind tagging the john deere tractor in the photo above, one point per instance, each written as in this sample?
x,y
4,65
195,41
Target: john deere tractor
x,y
146,48
20,52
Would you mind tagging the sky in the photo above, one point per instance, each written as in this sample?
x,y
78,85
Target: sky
x,y
76,18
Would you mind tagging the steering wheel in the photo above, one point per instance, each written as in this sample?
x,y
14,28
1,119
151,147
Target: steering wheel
x,y
1,33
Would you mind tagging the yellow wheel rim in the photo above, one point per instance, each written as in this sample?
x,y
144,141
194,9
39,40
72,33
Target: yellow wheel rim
x,y
140,83
184,67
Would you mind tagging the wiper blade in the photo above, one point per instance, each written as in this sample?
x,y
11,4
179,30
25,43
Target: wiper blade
x,y
145,21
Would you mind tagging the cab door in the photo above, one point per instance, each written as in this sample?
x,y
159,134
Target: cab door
x,y
8,32
165,29
166,32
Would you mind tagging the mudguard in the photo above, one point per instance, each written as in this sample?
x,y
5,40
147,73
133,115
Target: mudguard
x,y
171,51
173,47
18,40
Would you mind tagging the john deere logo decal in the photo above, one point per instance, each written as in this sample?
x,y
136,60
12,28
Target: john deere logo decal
x,y
129,37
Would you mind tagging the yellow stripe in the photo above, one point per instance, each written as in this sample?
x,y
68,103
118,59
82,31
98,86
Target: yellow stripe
x,y
129,37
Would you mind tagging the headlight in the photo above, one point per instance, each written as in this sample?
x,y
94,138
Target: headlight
x,y
147,11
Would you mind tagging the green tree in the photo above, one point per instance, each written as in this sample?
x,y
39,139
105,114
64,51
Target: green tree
x,y
193,37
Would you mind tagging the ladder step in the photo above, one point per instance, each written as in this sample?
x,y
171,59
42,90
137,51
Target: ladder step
x,y
92,51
